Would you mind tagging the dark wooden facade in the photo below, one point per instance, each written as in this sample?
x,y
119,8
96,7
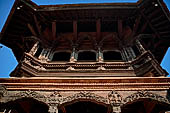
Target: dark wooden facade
x,y
87,58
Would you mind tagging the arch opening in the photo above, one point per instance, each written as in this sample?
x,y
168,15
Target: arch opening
x,y
84,106
112,56
87,56
25,105
61,56
145,105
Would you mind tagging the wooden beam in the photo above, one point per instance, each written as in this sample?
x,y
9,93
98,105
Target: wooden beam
x,y
154,13
22,18
157,19
43,19
120,27
164,28
136,25
148,10
37,25
75,30
32,30
98,29
18,22
161,23
147,20
143,27
54,30
164,33
157,45
17,28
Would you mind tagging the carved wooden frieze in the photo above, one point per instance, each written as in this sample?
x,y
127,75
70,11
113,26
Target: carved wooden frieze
x,y
12,96
85,95
145,94
55,98
114,98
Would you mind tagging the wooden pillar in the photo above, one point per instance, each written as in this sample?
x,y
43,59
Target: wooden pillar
x,y
48,55
130,53
32,30
7,111
37,25
140,47
123,55
120,27
126,54
34,49
98,29
73,55
100,55
75,30
44,55
54,30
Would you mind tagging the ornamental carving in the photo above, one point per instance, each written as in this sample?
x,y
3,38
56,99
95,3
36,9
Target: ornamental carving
x,y
30,94
54,98
85,95
145,94
3,90
114,98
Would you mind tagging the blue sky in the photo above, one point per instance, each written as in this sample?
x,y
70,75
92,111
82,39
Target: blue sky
x,y
8,61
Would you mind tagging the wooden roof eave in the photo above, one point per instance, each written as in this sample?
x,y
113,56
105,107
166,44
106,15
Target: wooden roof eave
x,y
88,6
9,17
161,4
164,9
34,6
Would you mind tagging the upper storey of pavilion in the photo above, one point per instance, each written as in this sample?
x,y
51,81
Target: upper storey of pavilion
x,y
128,20
136,35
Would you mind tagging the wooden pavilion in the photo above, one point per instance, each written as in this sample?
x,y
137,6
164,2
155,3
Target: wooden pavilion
x,y
89,58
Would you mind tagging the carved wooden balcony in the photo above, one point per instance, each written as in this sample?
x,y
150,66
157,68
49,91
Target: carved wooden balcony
x,y
141,65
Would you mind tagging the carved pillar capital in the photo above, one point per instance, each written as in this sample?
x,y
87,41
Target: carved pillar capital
x,y
100,54
116,109
115,99
44,55
73,54
53,109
